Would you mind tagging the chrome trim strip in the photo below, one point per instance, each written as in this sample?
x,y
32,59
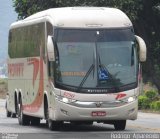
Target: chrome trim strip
x,y
98,104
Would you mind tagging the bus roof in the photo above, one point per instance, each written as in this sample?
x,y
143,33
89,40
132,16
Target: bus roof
x,y
79,17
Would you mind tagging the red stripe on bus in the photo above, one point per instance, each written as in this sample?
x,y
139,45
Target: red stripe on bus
x,y
35,105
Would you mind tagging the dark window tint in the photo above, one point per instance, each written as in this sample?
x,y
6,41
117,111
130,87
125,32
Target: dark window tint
x,y
26,41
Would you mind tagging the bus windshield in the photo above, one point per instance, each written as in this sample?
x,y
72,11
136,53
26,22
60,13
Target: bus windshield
x,y
95,59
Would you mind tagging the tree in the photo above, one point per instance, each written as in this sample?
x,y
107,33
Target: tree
x,y
147,26
25,8
145,15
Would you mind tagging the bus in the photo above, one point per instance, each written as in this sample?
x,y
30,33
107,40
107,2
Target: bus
x,y
75,64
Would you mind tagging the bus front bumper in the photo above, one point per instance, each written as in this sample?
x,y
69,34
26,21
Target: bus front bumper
x,y
67,112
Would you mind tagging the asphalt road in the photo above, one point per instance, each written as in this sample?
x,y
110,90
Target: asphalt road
x,y
146,123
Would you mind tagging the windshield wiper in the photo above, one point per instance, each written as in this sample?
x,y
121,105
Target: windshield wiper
x,y
85,77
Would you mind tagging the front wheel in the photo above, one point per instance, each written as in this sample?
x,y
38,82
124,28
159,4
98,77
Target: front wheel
x,y
120,125
52,125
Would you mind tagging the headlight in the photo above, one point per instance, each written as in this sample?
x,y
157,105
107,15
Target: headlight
x,y
64,99
129,99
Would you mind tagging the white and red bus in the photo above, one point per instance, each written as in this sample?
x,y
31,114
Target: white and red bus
x,y
75,64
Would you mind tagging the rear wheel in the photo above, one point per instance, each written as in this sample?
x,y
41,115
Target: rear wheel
x,y
14,115
22,118
8,114
120,125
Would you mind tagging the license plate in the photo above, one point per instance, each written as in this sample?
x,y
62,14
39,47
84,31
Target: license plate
x,y
98,113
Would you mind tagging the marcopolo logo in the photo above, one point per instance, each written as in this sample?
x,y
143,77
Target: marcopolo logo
x,y
99,104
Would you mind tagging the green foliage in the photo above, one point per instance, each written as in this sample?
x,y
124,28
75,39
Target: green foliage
x,y
151,94
150,100
25,8
155,105
143,102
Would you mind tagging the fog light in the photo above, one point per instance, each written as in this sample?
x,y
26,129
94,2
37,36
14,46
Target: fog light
x,y
64,112
131,111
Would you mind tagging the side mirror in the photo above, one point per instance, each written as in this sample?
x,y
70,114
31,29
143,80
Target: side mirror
x,y
50,49
142,49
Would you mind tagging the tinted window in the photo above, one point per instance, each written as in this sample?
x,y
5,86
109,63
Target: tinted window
x,y
26,41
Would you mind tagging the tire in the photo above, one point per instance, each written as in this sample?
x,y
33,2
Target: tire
x,y
120,125
52,125
22,118
16,105
14,115
8,114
